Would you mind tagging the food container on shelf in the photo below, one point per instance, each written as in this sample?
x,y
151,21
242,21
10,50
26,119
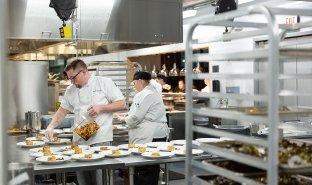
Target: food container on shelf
x,y
86,127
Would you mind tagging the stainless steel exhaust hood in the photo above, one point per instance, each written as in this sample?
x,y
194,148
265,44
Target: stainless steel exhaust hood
x,y
98,27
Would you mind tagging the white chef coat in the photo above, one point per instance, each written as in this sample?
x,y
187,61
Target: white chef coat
x,y
98,90
147,117
156,85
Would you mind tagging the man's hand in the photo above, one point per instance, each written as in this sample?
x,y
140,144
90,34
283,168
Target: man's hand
x,y
49,132
94,111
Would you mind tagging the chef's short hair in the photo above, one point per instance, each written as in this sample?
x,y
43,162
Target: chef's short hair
x,y
76,64
143,75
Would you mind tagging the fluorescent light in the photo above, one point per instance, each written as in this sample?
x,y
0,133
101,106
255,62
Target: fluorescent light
x,y
189,13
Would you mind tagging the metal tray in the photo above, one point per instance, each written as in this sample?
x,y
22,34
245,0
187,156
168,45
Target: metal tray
x,y
238,168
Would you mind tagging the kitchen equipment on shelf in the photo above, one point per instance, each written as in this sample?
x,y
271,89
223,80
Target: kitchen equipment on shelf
x,y
174,70
86,127
154,73
164,71
197,70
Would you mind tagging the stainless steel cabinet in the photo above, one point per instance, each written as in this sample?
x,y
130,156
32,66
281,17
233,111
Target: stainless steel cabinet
x,y
33,19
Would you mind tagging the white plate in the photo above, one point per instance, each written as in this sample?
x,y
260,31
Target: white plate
x,y
227,139
194,152
62,141
35,139
44,159
157,144
68,147
55,131
162,155
53,149
178,142
80,157
67,131
40,154
35,144
208,140
126,146
108,153
165,148
136,150
98,148
72,152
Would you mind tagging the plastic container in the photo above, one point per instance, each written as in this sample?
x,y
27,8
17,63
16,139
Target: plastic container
x,y
86,127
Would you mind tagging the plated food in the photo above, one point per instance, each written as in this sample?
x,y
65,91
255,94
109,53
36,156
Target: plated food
x,y
30,144
56,141
71,147
87,157
44,148
130,145
141,150
54,159
115,153
157,154
78,151
170,148
16,131
104,148
47,153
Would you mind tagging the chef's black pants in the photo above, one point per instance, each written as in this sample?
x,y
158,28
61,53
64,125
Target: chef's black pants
x,y
148,175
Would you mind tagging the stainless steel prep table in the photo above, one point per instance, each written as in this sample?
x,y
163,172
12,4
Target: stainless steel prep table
x,y
137,160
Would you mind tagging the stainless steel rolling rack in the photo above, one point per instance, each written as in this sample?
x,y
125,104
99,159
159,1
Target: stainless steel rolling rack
x,y
120,72
272,56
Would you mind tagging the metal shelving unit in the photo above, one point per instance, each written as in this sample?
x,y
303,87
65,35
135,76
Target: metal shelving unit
x,y
272,57
120,72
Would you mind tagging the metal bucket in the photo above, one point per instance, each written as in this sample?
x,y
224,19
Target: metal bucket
x,y
33,121
21,174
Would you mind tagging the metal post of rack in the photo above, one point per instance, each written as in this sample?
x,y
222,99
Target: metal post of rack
x,y
271,78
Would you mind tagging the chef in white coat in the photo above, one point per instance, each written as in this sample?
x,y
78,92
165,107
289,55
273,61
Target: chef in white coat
x,y
96,96
147,122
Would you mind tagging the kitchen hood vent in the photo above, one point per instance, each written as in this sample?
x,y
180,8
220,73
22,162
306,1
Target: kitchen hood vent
x,y
101,26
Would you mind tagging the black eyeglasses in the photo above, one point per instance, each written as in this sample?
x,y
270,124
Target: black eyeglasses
x,y
73,78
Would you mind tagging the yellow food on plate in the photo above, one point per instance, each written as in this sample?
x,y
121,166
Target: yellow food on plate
x,y
78,150
115,127
29,142
103,148
88,156
47,153
116,152
73,146
155,154
54,158
142,149
171,147
252,110
39,137
56,139
131,145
